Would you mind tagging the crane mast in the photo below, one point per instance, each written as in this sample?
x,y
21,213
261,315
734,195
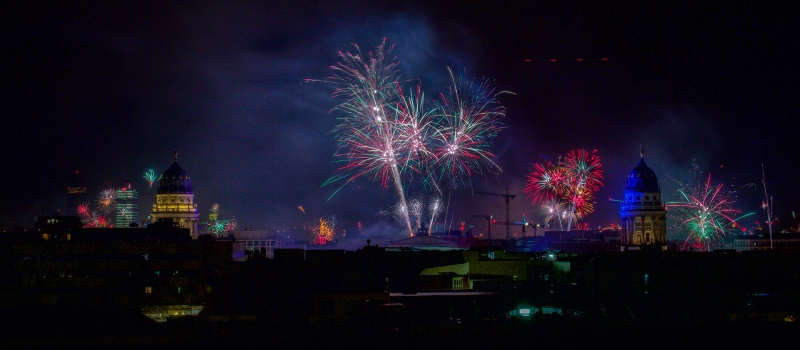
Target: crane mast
x,y
508,216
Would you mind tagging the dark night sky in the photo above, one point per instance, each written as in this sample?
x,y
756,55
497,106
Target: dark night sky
x,y
110,90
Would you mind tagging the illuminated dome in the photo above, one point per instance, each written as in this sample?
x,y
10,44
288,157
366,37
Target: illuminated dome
x,y
642,179
643,217
175,180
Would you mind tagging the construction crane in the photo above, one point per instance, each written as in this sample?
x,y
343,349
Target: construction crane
x,y
488,223
507,197
524,223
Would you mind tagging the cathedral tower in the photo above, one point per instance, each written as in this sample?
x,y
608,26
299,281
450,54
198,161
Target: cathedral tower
x,y
175,199
642,214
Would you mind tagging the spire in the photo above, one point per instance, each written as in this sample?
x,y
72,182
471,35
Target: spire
x,y
175,153
641,151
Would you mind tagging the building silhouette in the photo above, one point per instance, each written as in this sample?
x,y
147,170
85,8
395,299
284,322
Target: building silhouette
x,y
175,199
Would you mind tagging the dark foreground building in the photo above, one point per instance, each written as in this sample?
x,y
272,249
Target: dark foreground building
x,y
123,267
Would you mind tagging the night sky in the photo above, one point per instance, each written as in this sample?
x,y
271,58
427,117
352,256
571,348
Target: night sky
x,y
111,90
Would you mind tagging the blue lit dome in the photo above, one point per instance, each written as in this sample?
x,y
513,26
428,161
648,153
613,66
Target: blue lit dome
x,y
175,180
642,179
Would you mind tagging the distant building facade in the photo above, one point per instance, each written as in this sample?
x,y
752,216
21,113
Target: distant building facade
x,y
779,241
175,199
57,227
255,240
642,214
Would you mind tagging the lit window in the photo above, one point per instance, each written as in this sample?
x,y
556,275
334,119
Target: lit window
x,y
458,283
148,290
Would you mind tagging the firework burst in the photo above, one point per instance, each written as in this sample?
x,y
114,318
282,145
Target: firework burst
x,y
469,120
705,213
220,224
325,230
567,187
369,141
395,137
107,200
150,176
91,218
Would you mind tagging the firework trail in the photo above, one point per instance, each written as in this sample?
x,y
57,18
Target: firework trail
x,y
434,209
566,187
420,209
554,210
301,208
150,176
705,213
415,211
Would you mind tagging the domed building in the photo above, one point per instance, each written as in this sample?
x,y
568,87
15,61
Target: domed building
x,y
642,214
175,198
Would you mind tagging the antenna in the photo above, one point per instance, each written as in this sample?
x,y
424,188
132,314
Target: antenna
x,y
768,202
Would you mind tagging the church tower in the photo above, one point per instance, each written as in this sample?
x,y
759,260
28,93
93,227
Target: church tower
x,y
642,214
175,199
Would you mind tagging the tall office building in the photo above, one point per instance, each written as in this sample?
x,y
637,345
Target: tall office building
x,y
127,207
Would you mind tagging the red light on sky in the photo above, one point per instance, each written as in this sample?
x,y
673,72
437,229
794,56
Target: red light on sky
x,y
527,60
553,60
605,59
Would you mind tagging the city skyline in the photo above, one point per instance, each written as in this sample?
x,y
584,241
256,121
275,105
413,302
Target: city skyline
x,y
111,91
